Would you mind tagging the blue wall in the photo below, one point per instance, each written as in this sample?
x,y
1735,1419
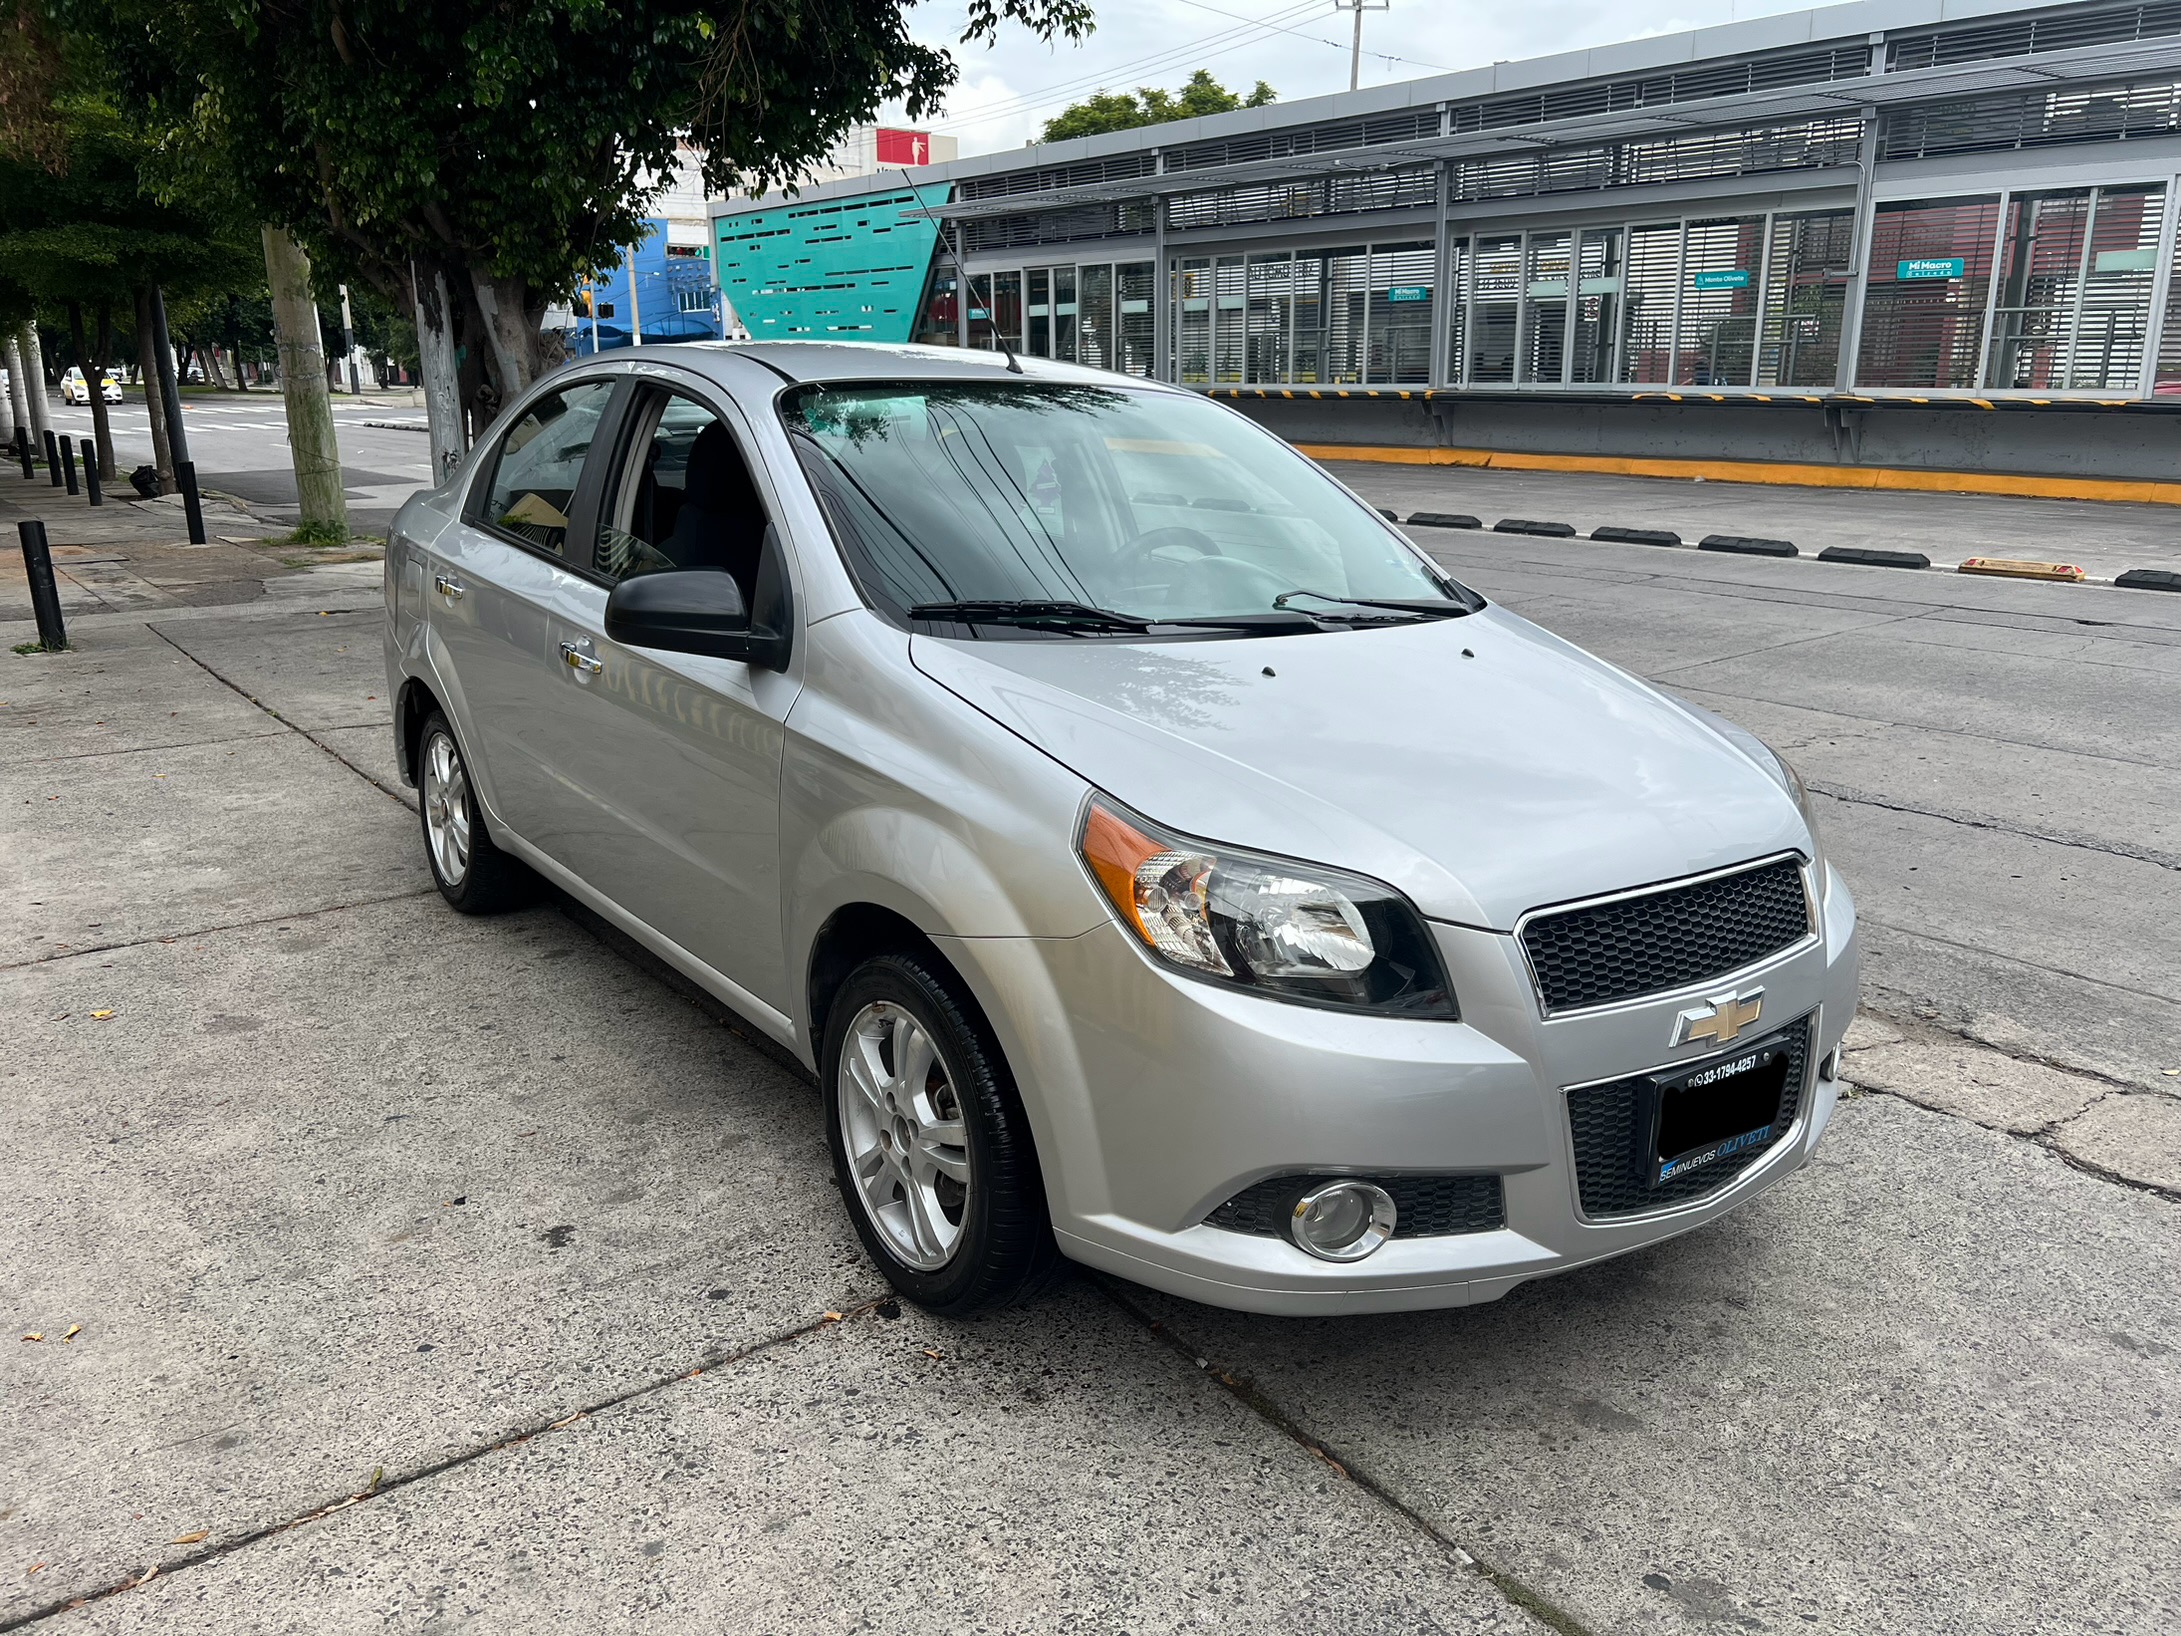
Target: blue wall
x,y
659,279
843,269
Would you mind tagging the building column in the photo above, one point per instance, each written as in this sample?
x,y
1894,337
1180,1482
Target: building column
x,y
1851,317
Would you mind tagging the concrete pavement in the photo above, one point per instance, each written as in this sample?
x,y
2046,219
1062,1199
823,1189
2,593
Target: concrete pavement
x,y
436,1272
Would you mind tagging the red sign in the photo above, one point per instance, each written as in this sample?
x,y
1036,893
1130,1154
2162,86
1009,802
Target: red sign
x,y
903,147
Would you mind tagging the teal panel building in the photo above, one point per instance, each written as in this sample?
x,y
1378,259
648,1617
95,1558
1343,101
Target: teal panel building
x,y
838,269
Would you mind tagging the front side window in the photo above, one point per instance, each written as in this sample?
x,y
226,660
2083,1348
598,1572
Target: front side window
x,y
684,497
540,462
1155,505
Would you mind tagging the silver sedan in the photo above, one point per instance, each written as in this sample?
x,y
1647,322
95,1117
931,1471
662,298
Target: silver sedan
x,y
1161,863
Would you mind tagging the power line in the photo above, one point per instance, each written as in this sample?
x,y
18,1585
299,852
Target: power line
x,y
1250,32
1382,56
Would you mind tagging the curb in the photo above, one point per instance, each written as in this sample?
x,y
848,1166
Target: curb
x,y
2149,579
1524,525
1636,536
1442,519
1870,558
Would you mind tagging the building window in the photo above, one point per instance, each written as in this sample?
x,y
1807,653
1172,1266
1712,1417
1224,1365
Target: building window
x,y
2072,307
1721,279
1654,290
1923,311
1133,281
1808,270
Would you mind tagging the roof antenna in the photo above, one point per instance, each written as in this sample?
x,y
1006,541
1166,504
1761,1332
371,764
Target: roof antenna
x,y
954,249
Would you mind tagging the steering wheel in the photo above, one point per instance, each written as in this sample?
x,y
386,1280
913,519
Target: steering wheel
x,y
1138,552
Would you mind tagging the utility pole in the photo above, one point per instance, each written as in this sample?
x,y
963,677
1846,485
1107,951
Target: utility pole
x,y
636,316
348,345
1355,50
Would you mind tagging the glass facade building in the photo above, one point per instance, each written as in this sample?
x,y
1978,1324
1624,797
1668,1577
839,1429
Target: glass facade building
x,y
1877,199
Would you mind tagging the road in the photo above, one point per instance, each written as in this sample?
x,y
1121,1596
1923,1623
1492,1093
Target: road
x,y
240,446
442,1274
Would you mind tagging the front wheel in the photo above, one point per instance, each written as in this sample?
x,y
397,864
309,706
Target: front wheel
x,y
930,1145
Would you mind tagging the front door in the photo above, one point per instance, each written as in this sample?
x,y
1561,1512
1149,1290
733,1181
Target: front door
x,y
669,789
490,584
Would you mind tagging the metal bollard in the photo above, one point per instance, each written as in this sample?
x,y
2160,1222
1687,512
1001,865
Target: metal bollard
x,y
52,458
90,479
185,479
22,450
45,596
68,463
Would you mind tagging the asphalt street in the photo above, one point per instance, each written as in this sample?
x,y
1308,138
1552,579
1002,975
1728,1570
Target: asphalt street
x,y
436,1273
240,446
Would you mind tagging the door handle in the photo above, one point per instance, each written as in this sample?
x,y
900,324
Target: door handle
x,y
446,585
577,659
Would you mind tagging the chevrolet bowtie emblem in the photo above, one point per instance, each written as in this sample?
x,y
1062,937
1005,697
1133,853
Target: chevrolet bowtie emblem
x,y
1720,1019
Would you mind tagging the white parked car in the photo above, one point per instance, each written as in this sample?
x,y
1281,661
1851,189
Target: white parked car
x,y
73,389
1159,860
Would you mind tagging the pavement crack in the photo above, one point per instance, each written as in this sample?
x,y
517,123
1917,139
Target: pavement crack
x,y
304,733
149,749
2018,960
2058,837
1253,1398
209,931
382,1483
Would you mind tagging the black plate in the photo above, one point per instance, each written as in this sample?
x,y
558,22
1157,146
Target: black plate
x,y
1706,1113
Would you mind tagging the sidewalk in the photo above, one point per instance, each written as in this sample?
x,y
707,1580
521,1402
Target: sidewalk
x,y
132,554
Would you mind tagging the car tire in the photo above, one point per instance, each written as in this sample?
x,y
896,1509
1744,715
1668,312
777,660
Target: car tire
x,y
468,867
931,1148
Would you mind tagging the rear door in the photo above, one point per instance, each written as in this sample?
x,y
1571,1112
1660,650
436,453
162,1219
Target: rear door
x,y
492,582
669,799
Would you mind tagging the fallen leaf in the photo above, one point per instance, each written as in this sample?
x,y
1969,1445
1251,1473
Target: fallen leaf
x,y
929,1353
34,1336
73,1331
100,1016
148,1578
833,1317
191,1539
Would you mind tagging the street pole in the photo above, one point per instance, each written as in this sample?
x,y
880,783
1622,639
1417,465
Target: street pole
x,y
348,345
636,317
1355,49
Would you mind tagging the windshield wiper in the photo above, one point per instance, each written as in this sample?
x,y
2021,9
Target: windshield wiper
x,y
1063,615
1416,609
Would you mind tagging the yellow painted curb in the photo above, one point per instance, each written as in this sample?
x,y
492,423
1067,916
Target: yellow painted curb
x,y
2014,568
1789,473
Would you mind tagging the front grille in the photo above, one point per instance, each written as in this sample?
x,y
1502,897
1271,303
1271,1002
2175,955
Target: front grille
x,y
1612,1171
1666,939
1425,1206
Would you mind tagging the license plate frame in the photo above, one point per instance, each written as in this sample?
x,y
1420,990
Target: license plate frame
x,y
1708,1110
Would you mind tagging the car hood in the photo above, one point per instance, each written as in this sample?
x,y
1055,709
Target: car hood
x,y
1481,765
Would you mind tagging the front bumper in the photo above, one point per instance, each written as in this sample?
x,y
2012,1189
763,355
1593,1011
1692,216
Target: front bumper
x,y
1156,1098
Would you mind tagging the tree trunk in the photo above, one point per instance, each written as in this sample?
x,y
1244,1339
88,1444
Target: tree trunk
x,y
442,376
101,423
41,412
311,443
93,365
155,402
18,410
516,348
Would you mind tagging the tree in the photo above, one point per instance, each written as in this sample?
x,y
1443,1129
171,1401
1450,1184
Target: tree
x,y
1148,105
80,234
473,160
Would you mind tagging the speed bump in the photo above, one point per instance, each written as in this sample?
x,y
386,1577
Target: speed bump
x,y
2014,568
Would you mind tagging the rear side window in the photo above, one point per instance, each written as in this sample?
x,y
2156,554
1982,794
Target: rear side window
x,y
540,462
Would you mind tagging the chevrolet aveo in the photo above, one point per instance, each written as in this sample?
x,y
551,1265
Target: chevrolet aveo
x,y
1161,863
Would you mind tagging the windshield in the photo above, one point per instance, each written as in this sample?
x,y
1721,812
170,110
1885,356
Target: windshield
x,y
1152,505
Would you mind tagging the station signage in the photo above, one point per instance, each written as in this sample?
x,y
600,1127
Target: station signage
x,y
1930,267
1726,278
1409,292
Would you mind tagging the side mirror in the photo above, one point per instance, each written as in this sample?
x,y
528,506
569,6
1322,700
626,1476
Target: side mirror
x,y
693,610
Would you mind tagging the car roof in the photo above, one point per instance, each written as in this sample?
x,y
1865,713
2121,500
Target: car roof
x,y
875,360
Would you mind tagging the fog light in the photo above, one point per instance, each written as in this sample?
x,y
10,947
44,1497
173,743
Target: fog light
x,y
1341,1221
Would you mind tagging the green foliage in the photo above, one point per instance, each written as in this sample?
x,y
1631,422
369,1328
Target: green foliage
x,y
1148,105
511,146
318,534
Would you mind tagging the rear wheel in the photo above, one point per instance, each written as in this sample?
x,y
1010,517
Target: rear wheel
x,y
930,1145
469,868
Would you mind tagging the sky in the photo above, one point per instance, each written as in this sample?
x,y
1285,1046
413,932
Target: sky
x,y
1008,91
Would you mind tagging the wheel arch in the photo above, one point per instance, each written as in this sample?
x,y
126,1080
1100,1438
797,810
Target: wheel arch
x,y
413,707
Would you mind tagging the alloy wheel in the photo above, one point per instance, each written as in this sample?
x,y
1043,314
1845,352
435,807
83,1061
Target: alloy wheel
x,y
446,795
902,1128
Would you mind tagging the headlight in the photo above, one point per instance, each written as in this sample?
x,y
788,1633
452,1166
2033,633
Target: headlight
x,y
1291,930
